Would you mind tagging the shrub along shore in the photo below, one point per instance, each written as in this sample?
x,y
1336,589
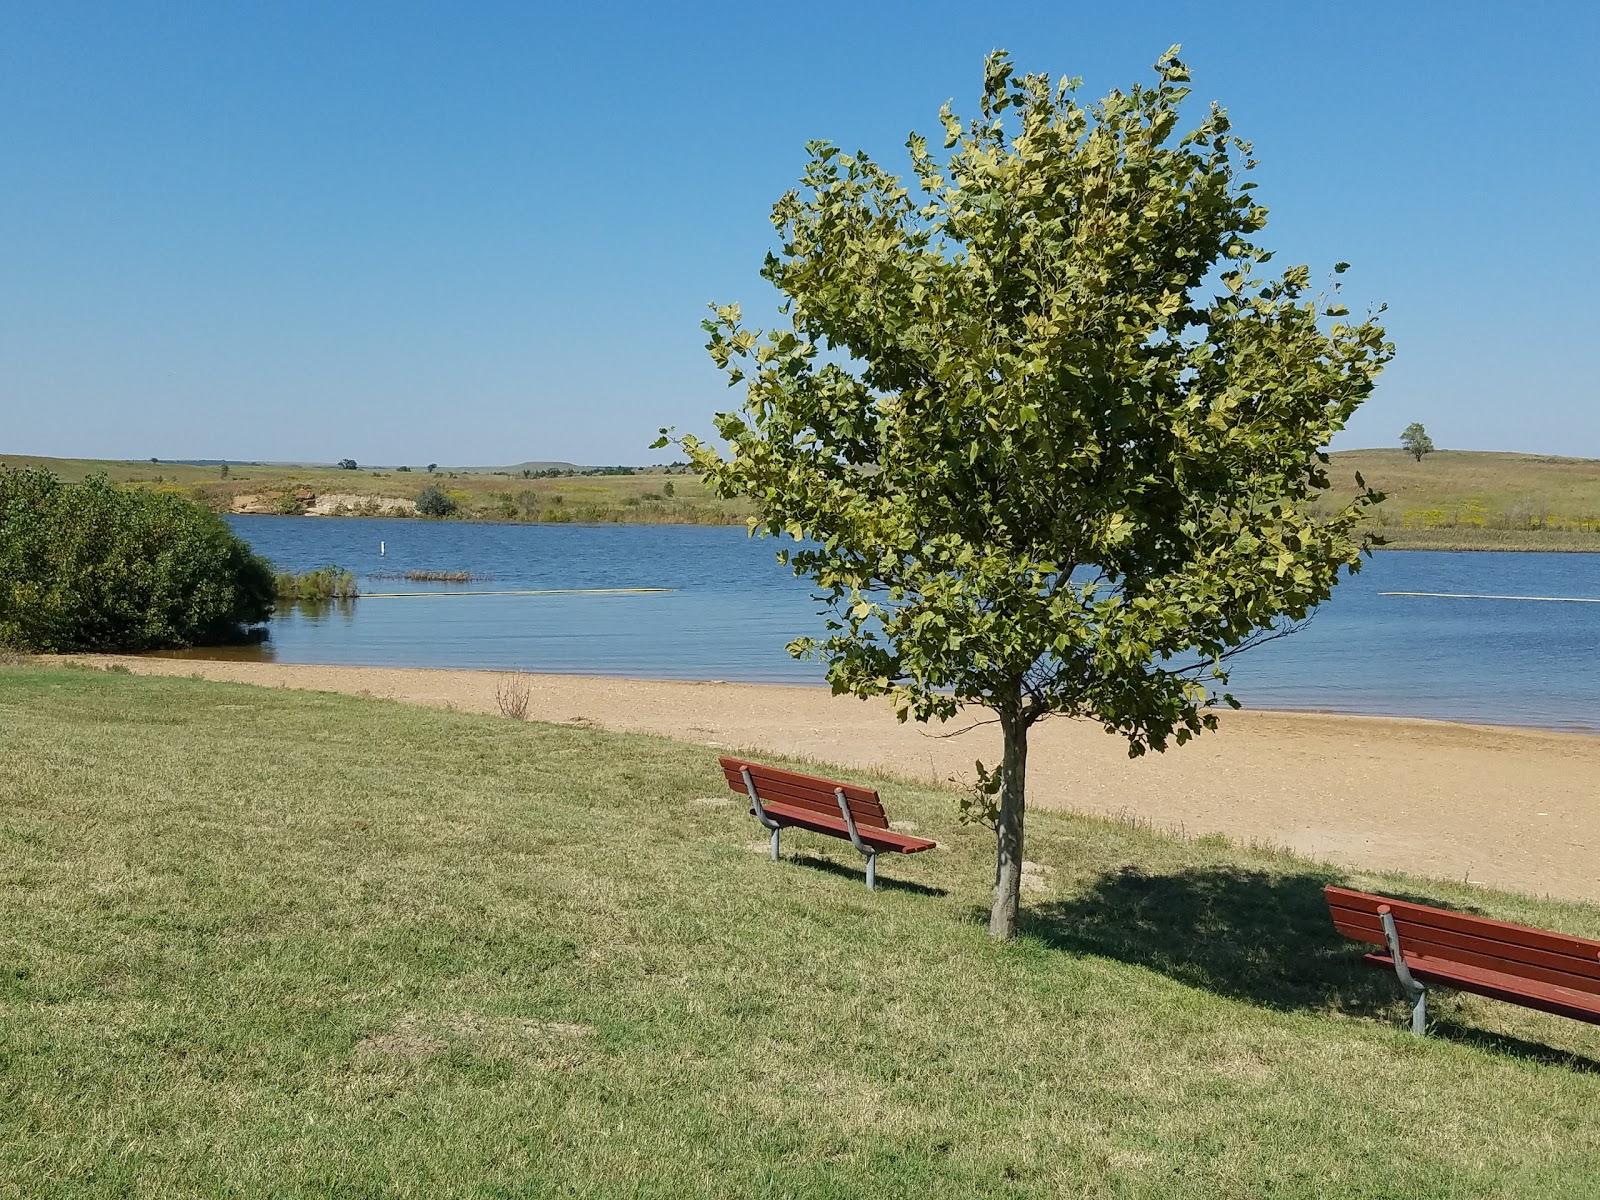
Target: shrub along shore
x,y
316,943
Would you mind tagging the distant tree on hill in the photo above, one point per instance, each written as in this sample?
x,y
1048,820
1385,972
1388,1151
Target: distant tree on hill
x,y
432,467
1043,431
348,464
1416,440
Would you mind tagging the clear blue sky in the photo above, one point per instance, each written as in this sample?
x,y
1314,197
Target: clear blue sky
x,y
482,233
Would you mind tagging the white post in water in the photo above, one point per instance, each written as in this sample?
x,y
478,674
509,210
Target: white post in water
x,y
382,549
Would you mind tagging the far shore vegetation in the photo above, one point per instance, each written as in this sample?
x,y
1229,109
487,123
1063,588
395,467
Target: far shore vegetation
x,y
1451,500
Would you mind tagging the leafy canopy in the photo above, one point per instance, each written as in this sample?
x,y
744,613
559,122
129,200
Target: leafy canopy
x,y
94,566
1043,426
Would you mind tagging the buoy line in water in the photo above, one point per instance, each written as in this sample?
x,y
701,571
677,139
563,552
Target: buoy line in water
x,y
638,591
1475,596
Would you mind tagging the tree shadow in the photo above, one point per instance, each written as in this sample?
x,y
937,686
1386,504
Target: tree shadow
x,y
1249,935
858,874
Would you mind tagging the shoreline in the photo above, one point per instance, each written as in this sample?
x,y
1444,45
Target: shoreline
x,y
1507,806
736,522
241,654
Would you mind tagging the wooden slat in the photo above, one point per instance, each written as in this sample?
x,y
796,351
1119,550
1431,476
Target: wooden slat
x,y
1439,952
809,791
1485,927
834,826
1560,1001
827,802
853,791
1369,928
1354,926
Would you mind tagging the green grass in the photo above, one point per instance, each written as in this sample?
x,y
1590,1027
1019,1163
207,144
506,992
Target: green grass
x,y
259,942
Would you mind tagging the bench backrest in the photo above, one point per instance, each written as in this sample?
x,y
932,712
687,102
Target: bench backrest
x,y
1538,954
807,791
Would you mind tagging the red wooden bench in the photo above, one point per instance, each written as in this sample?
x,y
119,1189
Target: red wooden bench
x,y
780,799
1552,972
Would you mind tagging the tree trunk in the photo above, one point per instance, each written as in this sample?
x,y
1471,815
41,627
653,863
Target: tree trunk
x,y
1008,828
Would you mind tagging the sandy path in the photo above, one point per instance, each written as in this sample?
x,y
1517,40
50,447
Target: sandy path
x,y
1507,807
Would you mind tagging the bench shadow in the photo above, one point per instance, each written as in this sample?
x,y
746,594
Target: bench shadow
x,y
1505,1043
1249,935
886,883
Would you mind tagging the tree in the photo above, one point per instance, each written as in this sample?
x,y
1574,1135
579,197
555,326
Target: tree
x,y
435,502
91,566
1416,441
1030,455
348,464
668,490
432,467
222,471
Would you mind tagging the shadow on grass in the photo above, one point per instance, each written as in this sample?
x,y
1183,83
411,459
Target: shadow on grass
x,y
1250,935
886,883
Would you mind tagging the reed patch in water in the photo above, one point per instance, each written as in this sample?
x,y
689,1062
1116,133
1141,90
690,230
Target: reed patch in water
x,y
433,576
324,583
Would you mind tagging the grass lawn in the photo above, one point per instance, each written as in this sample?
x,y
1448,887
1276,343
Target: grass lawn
x,y
259,942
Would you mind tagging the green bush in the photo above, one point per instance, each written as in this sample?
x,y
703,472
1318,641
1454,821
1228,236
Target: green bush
x,y
91,566
435,502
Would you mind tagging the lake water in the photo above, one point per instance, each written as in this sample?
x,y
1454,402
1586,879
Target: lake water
x,y
731,609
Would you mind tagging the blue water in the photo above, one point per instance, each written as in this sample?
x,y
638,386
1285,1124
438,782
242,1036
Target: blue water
x,y
732,609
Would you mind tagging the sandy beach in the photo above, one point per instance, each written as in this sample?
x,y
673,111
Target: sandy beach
x,y
1508,807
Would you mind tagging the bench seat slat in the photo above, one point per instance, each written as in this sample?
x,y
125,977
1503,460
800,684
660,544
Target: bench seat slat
x,y
1418,941
1514,989
1443,918
878,839
1368,927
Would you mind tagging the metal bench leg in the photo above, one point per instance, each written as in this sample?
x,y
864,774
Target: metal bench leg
x,y
1413,989
760,813
855,839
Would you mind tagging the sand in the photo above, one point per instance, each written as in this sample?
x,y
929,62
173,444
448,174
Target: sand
x,y
1506,807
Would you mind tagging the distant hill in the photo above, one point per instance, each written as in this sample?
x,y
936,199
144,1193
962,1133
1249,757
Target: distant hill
x,y
1451,500
1479,499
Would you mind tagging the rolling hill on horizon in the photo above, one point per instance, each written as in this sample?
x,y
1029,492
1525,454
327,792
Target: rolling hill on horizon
x,y
1452,499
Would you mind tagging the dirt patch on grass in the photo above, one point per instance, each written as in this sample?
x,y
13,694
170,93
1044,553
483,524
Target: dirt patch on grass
x,y
405,1041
